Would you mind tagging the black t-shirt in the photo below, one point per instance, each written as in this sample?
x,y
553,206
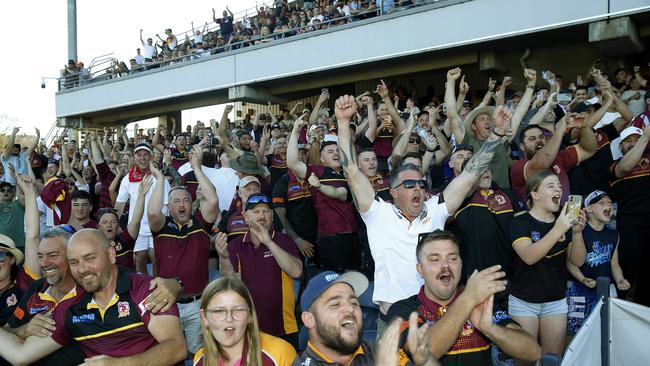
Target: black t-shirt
x,y
225,25
544,281
484,219
295,197
600,246
277,165
592,174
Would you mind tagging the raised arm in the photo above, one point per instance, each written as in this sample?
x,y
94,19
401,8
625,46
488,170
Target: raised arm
x,y
371,132
360,186
293,163
489,94
544,158
501,94
141,40
134,225
463,87
10,143
382,90
210,202
457,128
33,145
154,210
633,156
543,111
32,217
524,103
400,148
461,186
222,130
319,103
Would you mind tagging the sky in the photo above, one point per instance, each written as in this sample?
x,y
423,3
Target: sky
x,y
36,46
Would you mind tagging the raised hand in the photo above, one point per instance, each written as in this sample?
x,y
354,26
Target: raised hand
x,y
382,89
221,244
580,222
259,232
507,80
464,86
345,107
196,156
566,219
501,117
155,171
531,76
167,157
229,108
367,101
453,74
145,185
481,285
491,84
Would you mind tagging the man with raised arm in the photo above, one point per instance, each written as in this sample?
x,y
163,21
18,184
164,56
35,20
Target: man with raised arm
x,y
182,241
393,229
110,319
477,126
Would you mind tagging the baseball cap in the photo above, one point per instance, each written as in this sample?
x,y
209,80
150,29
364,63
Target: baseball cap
x,y
315,126
7,244
631,131
247,180
594,197
463,147
583,106
256,199
303,147
273,127
142,146
323,281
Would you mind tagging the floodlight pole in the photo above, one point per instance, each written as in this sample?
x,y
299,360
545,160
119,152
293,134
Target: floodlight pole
x,y
72,30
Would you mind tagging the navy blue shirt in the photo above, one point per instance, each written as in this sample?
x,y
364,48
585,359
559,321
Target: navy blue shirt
x,y
600,247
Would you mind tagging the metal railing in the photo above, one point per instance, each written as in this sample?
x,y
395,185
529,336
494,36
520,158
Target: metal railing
x,y
90,76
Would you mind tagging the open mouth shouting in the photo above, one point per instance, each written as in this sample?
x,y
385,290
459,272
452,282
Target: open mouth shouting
x,y
446,278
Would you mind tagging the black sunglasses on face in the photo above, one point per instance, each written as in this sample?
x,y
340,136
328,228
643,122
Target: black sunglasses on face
x,y
410,183
6,190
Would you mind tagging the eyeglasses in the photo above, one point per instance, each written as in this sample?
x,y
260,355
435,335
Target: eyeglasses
x,y
414,141
177,188
6,190
422,237
222,314
410,183
67,228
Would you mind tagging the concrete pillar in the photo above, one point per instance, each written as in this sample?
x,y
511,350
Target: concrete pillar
x,y
617,36
168,119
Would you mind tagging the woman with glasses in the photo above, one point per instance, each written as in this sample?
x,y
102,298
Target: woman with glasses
x,y
543,243
231,335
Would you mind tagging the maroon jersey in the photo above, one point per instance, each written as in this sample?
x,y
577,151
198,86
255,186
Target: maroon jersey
x,y
55,196
334,216
123,245
120,330
183,250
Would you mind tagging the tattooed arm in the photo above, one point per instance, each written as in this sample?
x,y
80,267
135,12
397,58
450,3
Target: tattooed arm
x,y
360,186
461,186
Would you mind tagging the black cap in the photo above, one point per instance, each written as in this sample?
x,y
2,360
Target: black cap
x,y
256,199
581,107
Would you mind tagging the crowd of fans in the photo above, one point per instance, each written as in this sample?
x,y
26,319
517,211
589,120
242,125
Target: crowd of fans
x,y
224,34
478,222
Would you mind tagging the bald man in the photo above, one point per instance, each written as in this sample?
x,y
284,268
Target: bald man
x,y
110,319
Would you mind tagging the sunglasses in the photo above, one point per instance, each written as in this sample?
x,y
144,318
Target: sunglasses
x,y
4,255
410,183
258,199
422,237
6,190
414,141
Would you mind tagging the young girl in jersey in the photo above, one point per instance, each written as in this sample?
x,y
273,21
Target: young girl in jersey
x,y
231,335
542,242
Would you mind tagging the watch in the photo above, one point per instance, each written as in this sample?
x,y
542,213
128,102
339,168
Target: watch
x,y
180,282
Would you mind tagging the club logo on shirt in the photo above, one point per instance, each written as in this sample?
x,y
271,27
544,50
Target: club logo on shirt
x,y
500,199
33,311
268,254
12,300
535,236
467,329
86,318
117,246
123,309
294,188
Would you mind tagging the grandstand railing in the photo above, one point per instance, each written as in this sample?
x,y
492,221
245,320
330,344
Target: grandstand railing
x,y
90,76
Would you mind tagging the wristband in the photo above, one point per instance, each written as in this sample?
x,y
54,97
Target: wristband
x,y
495,132
180,282
298,240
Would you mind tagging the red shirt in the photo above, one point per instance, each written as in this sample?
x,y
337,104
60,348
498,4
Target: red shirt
x,y
105,179
271,288
183,250
334,216
564,161
92,224
119,331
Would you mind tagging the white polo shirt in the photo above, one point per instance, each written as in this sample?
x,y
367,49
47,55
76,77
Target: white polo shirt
x,y
129,192
224,180
393,240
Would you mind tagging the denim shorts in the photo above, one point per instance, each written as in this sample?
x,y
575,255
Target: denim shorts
x,y
519,307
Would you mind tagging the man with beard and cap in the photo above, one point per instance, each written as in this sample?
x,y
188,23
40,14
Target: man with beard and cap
x,y
332,315
267,261
478,125
393,229
129,188
464,321
109,317
182,241
629,182
543,153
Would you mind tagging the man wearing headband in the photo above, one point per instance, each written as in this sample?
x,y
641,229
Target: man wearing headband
x,y
267,261
182,241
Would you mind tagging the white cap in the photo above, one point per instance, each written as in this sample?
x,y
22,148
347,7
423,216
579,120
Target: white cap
x,y
247,180
331,138
631,131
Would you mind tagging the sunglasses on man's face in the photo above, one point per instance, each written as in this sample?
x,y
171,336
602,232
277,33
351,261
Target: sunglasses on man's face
x,y
6,190
410,183
414,141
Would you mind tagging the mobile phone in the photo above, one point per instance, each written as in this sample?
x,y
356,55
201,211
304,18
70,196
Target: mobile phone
x,y
574,204
564,97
